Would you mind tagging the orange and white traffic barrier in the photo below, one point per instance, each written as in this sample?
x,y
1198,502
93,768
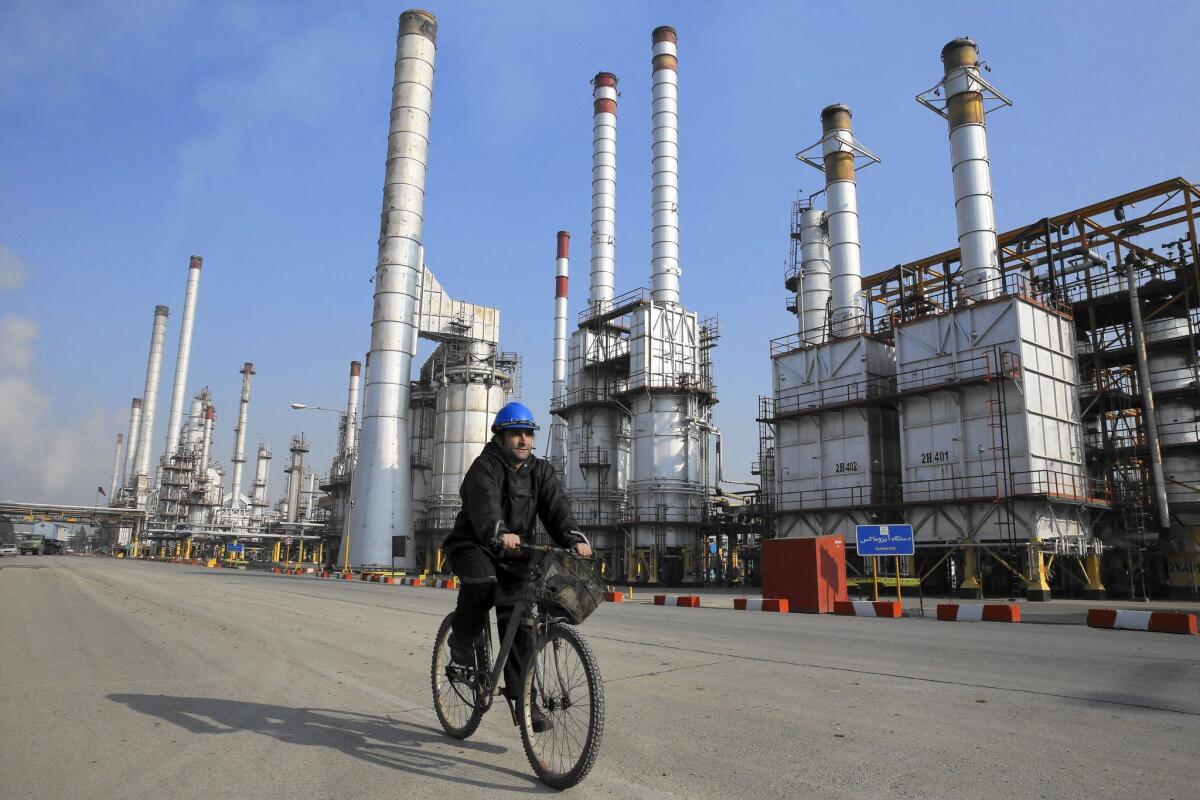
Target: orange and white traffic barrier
x,y
387,579
978,612
375,578
446,583
685,600
1154,621
614,597
889,609
779,604
414,582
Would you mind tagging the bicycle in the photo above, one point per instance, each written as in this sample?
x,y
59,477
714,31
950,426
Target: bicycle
x,y
561,676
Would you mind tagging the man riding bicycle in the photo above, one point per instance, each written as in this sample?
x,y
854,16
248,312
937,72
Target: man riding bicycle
x,y
506,490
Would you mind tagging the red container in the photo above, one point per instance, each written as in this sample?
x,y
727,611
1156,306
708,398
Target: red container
x,y
810,573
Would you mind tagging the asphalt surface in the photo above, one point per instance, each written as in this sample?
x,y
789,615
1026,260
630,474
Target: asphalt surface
x,y
122,679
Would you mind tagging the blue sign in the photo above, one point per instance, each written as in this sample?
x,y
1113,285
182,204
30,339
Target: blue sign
x,y
885,540
235,548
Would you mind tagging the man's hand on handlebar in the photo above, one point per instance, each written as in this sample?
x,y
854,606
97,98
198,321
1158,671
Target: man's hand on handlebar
x,y
583,550
510,541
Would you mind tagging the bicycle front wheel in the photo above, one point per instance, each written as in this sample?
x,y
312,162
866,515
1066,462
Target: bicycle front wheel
x,y
458,692
562,681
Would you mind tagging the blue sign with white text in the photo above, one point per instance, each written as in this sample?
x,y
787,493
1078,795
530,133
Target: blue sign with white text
x,y
234,548
885,540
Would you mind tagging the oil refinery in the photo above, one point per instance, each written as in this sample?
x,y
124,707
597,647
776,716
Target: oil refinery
x,y
1027,401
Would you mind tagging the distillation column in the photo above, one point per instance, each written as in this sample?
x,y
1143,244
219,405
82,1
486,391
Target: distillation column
x,y
135,419
814,261
149,403
114,484
295,473
382,490
258,492
182,359
239,436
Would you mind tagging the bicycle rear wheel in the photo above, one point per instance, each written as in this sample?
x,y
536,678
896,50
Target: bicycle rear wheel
x,y
562,680
458,692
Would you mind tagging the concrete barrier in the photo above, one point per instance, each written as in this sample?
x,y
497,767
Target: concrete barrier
x,y
614,597
978,612
889,609
684,600
1153,621
777,604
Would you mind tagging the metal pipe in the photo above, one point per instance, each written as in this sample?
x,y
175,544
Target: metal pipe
x,y
664,192
974,207
814,263
312,492
558,386
158,335
381,504
845,258
239,435
178,392
1149,413
135,421
351,422
604,190
116,470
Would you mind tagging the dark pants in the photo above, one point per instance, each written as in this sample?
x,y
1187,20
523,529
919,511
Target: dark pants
x,y
482,582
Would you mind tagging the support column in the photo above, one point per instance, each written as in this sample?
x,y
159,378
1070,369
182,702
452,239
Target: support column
x,y
970,588
1095,587
1038,588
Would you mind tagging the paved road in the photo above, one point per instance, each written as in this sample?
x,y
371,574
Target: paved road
x,y
123,679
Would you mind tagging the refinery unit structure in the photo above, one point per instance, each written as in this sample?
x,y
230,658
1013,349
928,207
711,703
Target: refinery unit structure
x,y
1028,401
1025,398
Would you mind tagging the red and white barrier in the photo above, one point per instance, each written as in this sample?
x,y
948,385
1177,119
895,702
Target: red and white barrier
x,y
889,609
685,600
778,604
978,612
1154,621
614,597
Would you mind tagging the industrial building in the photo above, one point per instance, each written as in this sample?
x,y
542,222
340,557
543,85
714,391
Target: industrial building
x,y
1028,401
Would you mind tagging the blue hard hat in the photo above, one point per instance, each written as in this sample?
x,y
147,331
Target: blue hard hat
x,y
514,416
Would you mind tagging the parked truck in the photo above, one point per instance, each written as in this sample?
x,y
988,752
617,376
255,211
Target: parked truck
x,y
47,538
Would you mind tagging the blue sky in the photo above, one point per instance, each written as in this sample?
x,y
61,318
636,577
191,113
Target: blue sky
x,y
135,134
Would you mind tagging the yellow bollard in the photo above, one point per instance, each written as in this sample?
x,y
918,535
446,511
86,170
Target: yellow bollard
x,y
970,587
1095,587
1038,589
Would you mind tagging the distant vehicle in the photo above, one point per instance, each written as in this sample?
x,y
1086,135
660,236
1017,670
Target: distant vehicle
x,y
37,545
8,550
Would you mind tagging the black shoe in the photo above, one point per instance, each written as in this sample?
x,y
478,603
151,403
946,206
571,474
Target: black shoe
x,y
540,722
461,653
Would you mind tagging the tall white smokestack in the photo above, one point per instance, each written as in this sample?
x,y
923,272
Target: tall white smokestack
x,y
381,493
184,355
348,435
814,260
664,181
557,449
239,435
975,211
158,335
116,470
841,192
135,421
604,190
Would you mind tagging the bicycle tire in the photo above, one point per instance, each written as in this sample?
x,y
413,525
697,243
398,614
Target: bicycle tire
x,y
549,679
458,715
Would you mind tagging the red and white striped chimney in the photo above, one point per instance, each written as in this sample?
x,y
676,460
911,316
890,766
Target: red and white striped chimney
x,y
664,181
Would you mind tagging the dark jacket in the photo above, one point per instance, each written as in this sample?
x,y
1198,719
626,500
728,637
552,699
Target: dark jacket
x,y
496,498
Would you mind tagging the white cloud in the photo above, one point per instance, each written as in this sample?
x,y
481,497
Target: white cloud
x,y
12,269
17,335
44,458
